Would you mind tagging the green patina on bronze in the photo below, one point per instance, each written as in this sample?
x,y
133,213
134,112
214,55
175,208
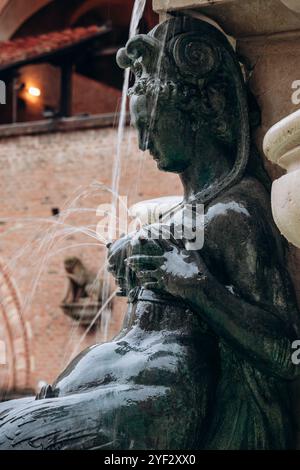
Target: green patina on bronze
x,y
204,357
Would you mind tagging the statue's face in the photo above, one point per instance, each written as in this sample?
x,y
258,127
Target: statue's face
x,y
164,131
70,264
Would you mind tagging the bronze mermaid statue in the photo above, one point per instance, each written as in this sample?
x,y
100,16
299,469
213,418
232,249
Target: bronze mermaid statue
x,y
204,358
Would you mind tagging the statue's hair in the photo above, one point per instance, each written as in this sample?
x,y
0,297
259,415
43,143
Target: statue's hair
x,y
199,69
209,106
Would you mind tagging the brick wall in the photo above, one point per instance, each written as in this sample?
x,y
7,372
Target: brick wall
x,y
39,173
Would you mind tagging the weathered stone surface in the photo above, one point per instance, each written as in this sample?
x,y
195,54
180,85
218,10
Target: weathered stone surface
x,y
240,18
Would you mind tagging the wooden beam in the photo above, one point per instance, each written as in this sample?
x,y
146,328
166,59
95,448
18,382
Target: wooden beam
x,y
75,123
66,90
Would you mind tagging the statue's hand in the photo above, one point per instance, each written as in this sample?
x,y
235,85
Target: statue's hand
x,y
177,271
117,253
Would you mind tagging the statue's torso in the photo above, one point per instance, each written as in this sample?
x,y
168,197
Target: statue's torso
x,y
166,344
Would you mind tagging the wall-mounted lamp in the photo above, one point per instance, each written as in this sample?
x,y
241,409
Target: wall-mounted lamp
x,y
34,91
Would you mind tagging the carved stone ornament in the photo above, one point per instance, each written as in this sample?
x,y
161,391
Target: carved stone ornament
x,y
83,298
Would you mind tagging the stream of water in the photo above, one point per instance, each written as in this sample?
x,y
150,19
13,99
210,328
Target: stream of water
x,y
137,13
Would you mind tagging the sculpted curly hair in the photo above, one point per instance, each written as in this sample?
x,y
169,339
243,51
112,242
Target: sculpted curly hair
x,y
190,63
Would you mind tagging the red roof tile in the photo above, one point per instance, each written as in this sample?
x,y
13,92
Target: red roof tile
x,y
27,48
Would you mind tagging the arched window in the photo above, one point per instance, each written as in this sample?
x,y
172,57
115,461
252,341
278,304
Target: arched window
x,y
14,348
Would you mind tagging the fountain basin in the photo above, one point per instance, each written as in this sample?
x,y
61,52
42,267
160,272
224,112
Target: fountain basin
x,y
282,146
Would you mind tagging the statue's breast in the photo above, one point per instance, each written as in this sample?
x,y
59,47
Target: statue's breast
x,y
165,343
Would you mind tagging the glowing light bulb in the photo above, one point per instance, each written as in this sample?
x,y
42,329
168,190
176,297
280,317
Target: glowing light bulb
x,y
34,91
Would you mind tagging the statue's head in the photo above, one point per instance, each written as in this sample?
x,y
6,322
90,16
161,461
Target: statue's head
x,y
188,92
71,262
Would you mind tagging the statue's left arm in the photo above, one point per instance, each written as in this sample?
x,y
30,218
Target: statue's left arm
x,y
246,294
257,330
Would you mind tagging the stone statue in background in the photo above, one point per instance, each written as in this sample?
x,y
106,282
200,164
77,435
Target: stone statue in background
x,y
82,283
204,357
83,297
